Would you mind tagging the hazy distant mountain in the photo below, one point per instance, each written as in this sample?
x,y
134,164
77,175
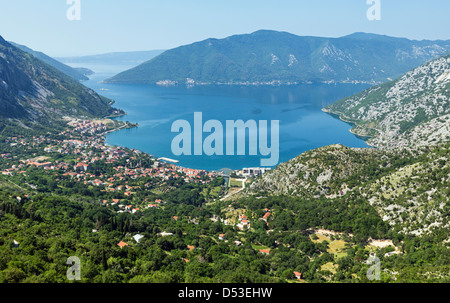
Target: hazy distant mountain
x,y
119,58
270,56
74,73
33,90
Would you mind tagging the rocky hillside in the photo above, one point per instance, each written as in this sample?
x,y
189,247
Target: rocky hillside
x,y
329,171
76,74
270,58
409,191
411,111
35,91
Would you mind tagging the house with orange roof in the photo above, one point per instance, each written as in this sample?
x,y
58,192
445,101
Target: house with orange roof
x,y
81,166
242,217
122,244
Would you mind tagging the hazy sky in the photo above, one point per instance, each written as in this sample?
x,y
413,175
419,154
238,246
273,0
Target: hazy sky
x,y
119,25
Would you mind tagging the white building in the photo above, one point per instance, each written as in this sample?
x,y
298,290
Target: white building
x,y
254,171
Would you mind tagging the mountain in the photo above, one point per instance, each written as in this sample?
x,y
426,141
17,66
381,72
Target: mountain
x,y
32,90
409,112
74,73
270,57
118,58
406,179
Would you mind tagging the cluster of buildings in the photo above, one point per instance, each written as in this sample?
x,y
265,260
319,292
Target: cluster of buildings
x,y
243,222
90,150
88,127
5,156
125,165
254,171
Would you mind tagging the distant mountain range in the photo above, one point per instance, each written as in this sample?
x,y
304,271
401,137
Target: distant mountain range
x,y
77,74
118,58
33,90
271,57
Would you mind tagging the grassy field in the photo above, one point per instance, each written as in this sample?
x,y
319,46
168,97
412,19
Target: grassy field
x,y
258,247
235,182
336,247
330,266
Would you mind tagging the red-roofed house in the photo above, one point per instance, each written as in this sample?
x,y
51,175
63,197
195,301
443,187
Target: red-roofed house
x,y
122,244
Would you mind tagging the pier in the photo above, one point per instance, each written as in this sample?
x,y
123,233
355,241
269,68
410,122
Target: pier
x,y
168,160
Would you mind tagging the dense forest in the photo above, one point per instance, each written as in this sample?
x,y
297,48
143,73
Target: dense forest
x,y
40,232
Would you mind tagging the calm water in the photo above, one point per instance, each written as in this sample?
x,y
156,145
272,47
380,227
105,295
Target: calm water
x,y
303,126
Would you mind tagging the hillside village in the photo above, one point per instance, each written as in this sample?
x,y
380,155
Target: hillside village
x,y
74,153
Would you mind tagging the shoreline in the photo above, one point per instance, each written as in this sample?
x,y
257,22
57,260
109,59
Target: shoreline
x,y
353,124
272,83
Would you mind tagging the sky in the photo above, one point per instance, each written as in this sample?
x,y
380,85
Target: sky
x,y
117,25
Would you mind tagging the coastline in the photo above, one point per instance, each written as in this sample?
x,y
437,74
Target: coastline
x,y
353,124
271,83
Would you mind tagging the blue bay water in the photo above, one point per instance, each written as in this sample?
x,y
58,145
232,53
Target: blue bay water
x,y
303,125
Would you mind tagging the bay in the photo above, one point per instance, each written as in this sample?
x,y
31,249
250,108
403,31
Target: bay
x,y
303,125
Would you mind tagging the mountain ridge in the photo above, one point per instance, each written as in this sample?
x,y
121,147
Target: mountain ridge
x,y
123,58
77,75
273,58
405,178
33,90
411,111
